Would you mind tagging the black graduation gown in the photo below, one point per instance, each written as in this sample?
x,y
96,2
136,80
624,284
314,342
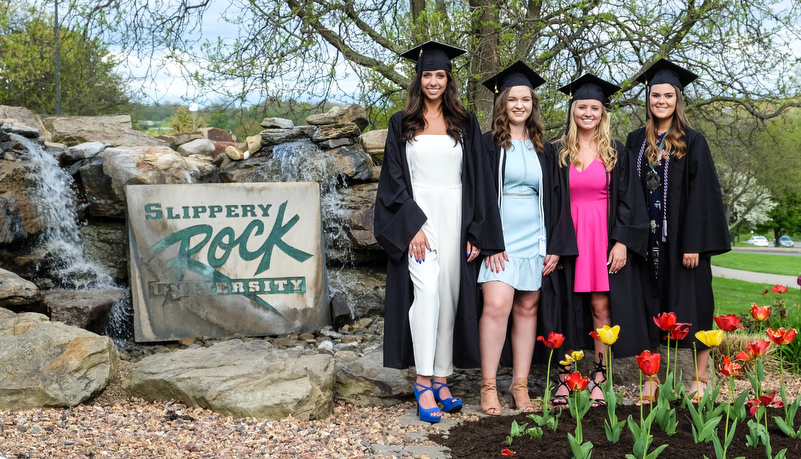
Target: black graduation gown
x,y
398,218
696,223
560,239
627,222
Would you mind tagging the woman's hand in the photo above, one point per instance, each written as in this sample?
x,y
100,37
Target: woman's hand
x,y
496,262
690,260
472,252
419,246
617,258
549,265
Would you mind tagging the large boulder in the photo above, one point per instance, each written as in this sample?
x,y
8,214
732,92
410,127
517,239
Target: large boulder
x,y
203,147
353,113
216,134
373,143
240,379
23,116
353,163
17,212
50,364
113,129
87,309
105,244
360,290
364,381
17,293
105,176
275,136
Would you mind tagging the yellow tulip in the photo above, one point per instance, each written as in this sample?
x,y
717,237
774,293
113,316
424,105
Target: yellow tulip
x,y
572,358
711,338
608,334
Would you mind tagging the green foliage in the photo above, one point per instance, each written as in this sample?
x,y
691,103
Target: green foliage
x,y
785,217
185,121
89,84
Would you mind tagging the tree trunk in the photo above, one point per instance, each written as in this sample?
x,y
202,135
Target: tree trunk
x,y
484,61
419,25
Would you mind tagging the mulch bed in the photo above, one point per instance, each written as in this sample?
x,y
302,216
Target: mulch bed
x,y
485,438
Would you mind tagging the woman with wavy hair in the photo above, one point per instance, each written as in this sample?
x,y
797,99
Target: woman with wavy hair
x,y
524,170
610,226
684,202
433,219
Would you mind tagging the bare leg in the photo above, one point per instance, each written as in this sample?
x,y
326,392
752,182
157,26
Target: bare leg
x,y
524,337
599,305
498,300
703,362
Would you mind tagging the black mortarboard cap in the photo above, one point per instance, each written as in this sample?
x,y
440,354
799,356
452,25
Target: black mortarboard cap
x,y
517,74
664,71
589,86
433,55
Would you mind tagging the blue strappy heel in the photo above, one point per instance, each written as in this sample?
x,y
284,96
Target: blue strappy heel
x,y
450,405
426,414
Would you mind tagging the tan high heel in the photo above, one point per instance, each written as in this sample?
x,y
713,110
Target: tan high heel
x,y
518,396
489,397
702,380
654,384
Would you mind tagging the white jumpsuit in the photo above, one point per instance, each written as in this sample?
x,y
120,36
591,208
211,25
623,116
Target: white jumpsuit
x,y
435,165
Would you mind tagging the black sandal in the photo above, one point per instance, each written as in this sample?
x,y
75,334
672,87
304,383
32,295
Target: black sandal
x,y
561,400
599,368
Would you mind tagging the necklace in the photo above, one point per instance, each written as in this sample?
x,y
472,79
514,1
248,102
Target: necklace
x,y
587,147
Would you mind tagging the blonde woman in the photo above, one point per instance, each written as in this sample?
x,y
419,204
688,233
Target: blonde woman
x,y
610,226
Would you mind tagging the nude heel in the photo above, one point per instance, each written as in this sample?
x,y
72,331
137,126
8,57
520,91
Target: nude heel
x,y
489,397
518,396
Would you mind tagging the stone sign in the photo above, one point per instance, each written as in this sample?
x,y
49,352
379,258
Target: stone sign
x,y
217,259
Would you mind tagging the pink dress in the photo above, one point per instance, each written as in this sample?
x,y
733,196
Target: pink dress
x,y
588,193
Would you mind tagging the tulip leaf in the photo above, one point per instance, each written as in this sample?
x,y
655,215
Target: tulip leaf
x,y
786,429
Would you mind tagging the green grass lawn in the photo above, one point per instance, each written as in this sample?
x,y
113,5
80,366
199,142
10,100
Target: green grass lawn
x,y
772,264
735,296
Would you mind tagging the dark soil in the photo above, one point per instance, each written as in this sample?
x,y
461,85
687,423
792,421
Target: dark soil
x,y
485,438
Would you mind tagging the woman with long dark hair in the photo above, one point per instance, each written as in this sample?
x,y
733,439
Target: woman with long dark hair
x,y
687,219
433,219
611,228
525,173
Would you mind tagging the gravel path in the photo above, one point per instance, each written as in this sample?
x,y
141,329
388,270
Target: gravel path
x,y
115,425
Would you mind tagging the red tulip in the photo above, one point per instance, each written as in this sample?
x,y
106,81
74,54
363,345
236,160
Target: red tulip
x,y
554,340
760,313
782,336
665,320
576,382
594,334
763,400
779,289
649,363
730,368
506,452
729,322
676,332
754,349
765,292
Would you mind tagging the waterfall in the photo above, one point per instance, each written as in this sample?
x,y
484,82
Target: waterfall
x,y
60,241
303,161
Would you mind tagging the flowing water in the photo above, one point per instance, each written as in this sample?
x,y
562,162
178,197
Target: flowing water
x,y
60,241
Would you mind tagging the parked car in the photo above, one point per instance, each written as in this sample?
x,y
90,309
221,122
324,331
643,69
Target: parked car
x,y
760,241
785,241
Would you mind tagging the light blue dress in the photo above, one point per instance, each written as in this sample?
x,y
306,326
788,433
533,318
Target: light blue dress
x,y
521,214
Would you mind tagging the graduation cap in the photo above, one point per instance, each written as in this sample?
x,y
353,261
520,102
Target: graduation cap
x,y
433,55
517,74
589,86
664,71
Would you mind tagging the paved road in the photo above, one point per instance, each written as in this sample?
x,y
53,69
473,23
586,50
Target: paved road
x,y
759,278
